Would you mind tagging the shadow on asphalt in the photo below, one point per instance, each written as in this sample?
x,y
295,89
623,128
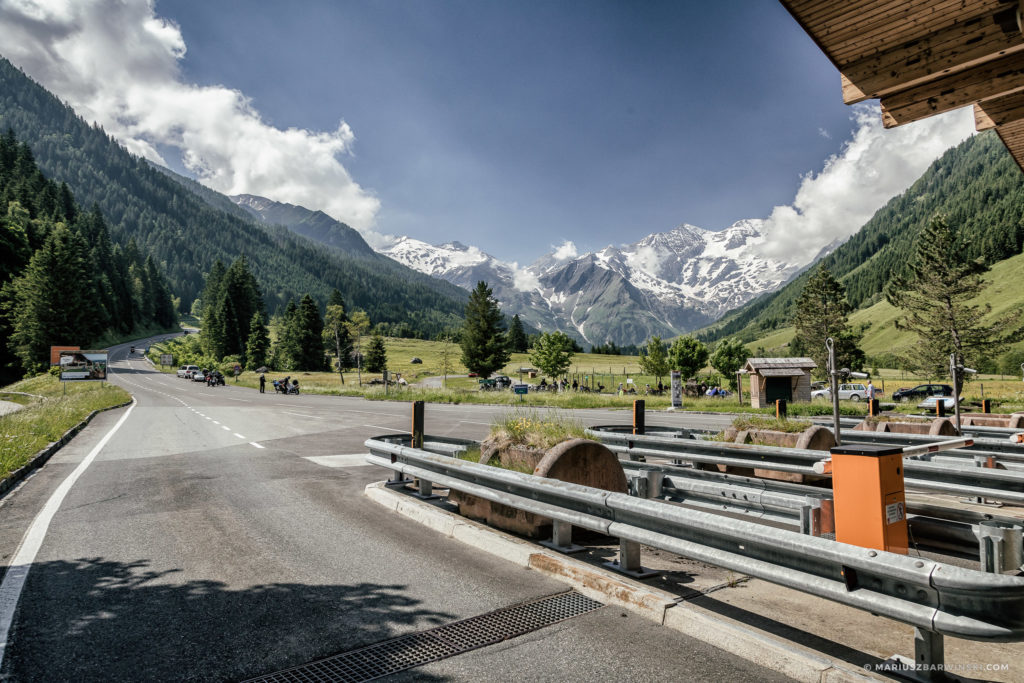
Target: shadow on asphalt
x,y
93,620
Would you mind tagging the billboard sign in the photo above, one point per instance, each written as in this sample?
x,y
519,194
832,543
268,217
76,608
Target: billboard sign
x,y
55,352
166,359
83,366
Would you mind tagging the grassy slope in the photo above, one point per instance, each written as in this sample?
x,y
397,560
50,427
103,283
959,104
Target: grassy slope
x,y
1004,292
43,421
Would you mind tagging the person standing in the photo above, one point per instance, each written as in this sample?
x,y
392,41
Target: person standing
x,y
871,391
263,382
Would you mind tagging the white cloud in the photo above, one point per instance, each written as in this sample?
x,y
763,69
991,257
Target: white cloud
x,y
872,167
566,251
524,279
117,63
824,133
647,259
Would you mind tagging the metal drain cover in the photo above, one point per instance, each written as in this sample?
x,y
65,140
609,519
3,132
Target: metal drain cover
x,y
415,649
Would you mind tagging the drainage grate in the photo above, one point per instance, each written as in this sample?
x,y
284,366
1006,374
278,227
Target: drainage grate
x,y
414,649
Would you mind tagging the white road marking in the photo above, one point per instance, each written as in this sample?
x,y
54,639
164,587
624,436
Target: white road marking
x,y
225,427
348,460
215,422
389,430
253,443
243,400
286,412
471,422
14,579
239,436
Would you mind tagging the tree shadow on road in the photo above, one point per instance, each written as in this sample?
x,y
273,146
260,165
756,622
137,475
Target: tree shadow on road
x,y
93,619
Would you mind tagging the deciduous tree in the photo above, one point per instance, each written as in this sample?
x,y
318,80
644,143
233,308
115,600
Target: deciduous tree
x,y
729,356
653,359
552,353
688,356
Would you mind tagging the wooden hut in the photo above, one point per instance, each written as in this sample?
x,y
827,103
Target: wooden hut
x,y
775,378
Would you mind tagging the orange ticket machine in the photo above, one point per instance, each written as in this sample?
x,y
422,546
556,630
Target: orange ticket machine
x,y
870,504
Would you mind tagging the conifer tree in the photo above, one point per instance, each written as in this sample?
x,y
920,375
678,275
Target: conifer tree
x,y
376,355
257,347
483,342
934,294
821,313
308,328
516,335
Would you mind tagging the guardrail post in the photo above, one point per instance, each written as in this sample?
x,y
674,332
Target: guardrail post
x,y
940,408
426,490
1000,547
929,654
561,538
638,416
986,405
417,424
629,561
780,408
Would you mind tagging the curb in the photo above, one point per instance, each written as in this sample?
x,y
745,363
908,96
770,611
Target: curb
x,y
40,458
605,586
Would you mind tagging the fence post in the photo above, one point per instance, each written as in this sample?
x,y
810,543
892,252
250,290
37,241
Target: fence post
x,y
780,408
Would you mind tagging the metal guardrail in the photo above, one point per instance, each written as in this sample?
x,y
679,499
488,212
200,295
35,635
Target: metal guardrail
x,y
977,482
936,598
933,527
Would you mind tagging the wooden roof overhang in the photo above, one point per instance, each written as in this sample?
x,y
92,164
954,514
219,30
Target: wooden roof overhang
x,y
926,57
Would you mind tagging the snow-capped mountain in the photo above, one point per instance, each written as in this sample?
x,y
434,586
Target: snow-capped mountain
x,y
665,284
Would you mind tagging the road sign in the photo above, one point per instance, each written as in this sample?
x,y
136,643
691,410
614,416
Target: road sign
x,y
166,359
83,365
521,389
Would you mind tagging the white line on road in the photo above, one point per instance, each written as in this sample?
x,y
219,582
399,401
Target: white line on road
x,y
390,430
240,436
243,400
253,443
471,422
225,427
347,460
14,579
214,422
286,412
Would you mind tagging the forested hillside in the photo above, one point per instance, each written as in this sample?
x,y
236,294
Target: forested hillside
x,y
62,280
187,230
976,185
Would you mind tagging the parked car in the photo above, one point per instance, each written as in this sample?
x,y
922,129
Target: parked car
x,y
818,386
189,370
199,375
847,392
181,370
929,403
922,391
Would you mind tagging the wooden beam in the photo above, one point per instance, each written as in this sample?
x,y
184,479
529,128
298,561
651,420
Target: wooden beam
x,y
1012,135
982,121
991,79
957,48
999,111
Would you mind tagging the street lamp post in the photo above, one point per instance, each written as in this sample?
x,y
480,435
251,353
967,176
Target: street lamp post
x,y
833,377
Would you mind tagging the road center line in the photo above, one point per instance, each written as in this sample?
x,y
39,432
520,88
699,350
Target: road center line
x,y
253,443
286,412
17,572
239,436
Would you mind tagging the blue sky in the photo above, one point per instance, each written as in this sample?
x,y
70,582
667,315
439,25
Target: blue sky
x,y
512,126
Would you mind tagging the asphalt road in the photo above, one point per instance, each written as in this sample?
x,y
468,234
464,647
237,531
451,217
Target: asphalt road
x,y
205,542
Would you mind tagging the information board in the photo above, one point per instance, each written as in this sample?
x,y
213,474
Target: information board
x,y
677,389
83,366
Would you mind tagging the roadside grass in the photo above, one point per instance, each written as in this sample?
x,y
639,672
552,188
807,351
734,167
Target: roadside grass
x,y
770,423
590,369
533,429
43,421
